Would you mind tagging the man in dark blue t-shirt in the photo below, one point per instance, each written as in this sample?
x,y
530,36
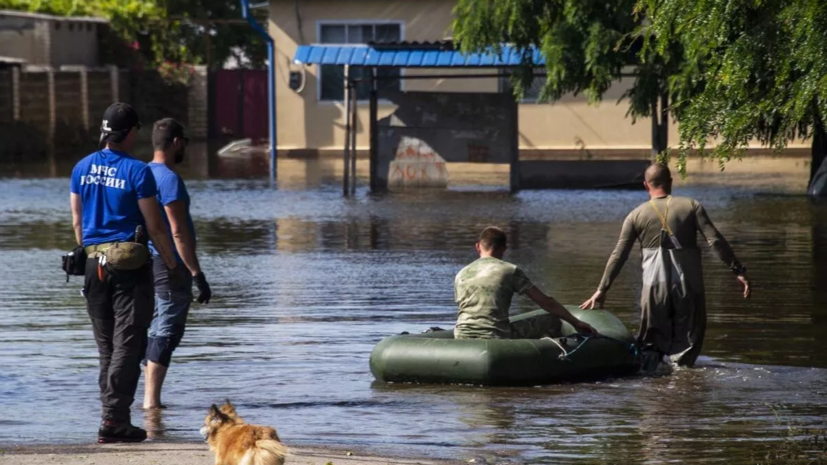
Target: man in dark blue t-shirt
x,y
172,301
112,194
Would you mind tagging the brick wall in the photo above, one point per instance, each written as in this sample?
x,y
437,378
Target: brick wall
x,y
71,113
34,99
68,99
198,104
100,95
155,99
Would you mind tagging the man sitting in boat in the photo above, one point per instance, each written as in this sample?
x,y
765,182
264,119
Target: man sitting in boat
x,y
483,291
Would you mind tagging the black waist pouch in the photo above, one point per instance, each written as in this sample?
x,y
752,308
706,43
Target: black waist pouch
x,y
74,262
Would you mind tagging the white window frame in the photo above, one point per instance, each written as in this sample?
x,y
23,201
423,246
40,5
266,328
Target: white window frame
x,y
355,22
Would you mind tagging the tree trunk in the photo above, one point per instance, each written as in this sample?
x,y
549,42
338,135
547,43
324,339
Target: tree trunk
x,y
655,130
660,125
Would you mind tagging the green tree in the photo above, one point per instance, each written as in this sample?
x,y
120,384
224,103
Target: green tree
x,y
757,70
587,45
152,32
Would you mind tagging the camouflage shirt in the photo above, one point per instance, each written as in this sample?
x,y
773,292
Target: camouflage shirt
x,y
483,291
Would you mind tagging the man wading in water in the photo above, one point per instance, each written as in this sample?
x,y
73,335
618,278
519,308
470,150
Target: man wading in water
x,y
112,195
672,304
483,291
172,303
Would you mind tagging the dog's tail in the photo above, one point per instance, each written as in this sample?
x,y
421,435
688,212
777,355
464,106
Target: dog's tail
x,y
265,452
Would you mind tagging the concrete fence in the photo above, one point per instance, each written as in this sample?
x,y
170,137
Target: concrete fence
x,y
42,108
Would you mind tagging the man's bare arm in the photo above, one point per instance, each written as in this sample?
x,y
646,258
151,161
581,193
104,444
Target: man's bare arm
x,y
77,216
554,307
157,230
182,236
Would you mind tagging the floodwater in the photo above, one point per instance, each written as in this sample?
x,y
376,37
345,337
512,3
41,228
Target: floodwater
x,y
306,282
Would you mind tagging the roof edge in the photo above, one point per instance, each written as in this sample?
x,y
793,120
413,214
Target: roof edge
x,y
45,17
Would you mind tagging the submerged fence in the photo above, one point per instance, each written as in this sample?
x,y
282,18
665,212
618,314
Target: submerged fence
x,y
43,109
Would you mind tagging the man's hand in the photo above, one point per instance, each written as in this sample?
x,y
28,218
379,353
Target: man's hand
x,y
204,291
598,299
585,328
176,277
742,278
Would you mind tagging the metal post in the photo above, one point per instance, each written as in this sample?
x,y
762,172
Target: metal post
x,y
271,82
373,134
346,155
353,127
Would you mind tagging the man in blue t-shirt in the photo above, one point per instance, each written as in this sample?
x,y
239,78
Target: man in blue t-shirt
x,y
172,301
112,194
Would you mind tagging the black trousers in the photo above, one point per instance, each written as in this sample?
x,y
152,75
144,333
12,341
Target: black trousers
x,y
120,307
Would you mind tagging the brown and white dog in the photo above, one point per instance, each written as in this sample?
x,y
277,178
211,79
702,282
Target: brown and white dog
x,y
237,443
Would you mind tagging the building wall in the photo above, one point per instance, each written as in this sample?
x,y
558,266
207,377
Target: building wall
x,y
570,127
24,38
74,43
49,42
304,122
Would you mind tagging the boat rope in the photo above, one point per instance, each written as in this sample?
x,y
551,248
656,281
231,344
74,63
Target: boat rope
x,y
565,354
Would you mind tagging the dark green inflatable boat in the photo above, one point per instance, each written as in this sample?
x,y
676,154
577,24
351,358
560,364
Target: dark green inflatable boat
x,y
436,357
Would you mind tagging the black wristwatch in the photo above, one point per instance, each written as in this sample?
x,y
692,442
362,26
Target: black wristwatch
x,y
739,270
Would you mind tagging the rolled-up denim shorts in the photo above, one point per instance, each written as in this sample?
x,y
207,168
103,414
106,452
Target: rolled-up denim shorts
x,y
168,323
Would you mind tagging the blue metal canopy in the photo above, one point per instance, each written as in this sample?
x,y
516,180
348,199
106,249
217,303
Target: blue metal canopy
x,y
408,56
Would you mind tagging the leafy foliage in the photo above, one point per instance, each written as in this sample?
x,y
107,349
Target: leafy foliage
x,y
587,44
752,70
735,71
153,32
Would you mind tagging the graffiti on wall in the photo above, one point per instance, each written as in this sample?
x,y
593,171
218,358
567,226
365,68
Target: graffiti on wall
x,y
417,165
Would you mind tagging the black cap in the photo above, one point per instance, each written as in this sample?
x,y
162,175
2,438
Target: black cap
x,y
118,119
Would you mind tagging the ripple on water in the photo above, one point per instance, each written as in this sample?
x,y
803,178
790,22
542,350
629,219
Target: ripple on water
x,y
306,283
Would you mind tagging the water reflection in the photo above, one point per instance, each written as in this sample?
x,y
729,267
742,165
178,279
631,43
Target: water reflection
x,y
307,282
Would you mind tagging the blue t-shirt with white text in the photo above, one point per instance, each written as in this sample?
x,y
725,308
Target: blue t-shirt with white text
x,y
171,188
110,183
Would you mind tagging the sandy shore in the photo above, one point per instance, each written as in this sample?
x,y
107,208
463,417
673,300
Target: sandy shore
x,y
159,453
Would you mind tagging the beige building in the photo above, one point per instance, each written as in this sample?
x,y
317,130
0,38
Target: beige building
x,y
312,119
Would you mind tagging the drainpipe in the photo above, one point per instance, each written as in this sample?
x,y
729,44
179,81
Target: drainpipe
x,y
271,83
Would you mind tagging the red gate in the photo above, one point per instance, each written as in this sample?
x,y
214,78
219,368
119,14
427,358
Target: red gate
x,y
239,103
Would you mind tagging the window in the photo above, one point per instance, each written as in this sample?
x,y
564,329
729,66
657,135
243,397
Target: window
x,y
332,76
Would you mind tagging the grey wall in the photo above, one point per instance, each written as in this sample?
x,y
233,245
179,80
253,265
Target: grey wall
x,y
459,127
24,38
47,42
74,43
